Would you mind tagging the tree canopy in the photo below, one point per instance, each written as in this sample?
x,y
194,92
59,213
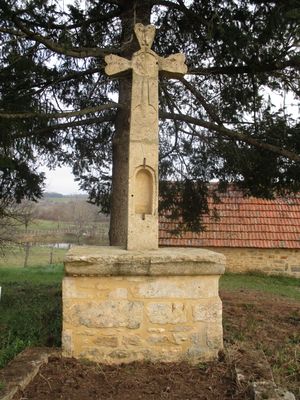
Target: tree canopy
x,y
220,121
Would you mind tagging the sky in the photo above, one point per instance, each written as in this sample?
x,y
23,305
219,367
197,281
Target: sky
x,y
61,180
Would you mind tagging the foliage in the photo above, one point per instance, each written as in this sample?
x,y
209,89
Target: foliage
x,y
30,309
217,122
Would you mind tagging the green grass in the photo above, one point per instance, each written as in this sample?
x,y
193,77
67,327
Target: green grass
x,y
30,306
46,225
38,256
48,275
30,309
276,285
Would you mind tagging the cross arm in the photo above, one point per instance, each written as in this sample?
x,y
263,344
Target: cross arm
x,y
115,65
173,66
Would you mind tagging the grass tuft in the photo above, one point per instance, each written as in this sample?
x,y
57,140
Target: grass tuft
x,y
30,309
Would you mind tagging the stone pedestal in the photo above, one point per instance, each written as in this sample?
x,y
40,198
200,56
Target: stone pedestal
x,y
161,305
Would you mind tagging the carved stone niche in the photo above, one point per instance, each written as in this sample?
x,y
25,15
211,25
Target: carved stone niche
x,y
144,190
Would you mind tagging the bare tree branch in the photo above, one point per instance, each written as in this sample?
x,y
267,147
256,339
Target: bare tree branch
x,y
72,124
49,25
12,32
66,114
180,6
76,52
68,77
247,69
232,135
208,108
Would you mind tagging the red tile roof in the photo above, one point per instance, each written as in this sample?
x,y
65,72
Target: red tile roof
x,y
243,222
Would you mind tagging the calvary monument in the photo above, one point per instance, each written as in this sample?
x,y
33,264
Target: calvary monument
x,y
142,302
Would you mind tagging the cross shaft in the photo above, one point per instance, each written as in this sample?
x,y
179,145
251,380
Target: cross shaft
x,y
142,201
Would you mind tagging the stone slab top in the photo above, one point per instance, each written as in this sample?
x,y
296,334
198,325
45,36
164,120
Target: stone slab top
x,y
165,261
20,371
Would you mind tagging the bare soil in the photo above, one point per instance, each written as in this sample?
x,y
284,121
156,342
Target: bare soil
x,y
261,338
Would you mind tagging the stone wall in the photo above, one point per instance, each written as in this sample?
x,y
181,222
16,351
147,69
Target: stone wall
x,y
141,312
134,318
270,261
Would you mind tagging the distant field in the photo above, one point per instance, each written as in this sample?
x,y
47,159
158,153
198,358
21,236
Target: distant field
x,y
66,198
45,225
49,231
38,256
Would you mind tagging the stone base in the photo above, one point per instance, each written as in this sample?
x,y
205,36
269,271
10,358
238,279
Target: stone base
x,y
161,305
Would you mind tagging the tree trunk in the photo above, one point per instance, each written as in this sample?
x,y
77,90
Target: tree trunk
x,y
133,12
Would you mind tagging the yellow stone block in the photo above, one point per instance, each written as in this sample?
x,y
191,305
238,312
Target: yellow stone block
x,y
117,315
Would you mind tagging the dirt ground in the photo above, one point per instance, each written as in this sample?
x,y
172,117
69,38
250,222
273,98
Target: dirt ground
x,y
261,338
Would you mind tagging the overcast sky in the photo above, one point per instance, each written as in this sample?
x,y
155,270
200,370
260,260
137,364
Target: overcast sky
x,y
61,180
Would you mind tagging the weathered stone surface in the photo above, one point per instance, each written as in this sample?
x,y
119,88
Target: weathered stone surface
x,y
214,336
115,261
141,177
165,288
284,394
107,314
180,338
267,390
128,318
195,354
119,293
180,328
70,290
131,340
22,369
166,313
199,350
156,330
198,339
168,354
211,312
157,339
66,341
295,268
119,354
111,341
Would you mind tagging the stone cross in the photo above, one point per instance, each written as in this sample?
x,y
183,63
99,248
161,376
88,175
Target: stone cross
x,y
142,220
